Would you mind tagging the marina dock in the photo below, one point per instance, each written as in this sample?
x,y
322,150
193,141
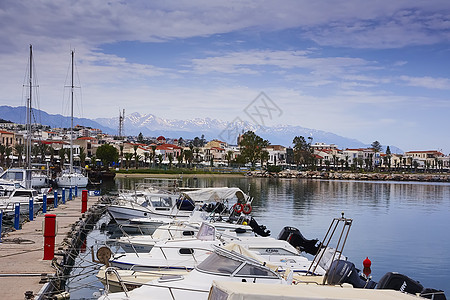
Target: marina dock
x,y
23,272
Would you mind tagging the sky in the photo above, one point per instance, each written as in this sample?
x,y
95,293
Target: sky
x,y
369,70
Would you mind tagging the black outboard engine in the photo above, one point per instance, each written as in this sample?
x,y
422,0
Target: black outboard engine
x,y
296,239
400,282
342,271
258,229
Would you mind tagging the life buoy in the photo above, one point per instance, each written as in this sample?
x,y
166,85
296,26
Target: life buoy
x,y
247,209
238,208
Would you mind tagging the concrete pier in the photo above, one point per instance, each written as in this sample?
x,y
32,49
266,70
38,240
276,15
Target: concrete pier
x,y
22,268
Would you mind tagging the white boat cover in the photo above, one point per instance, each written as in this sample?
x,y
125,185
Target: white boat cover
x,y
215,194
244,251
228,290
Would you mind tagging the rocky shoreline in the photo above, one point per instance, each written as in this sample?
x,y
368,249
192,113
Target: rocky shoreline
x,y
352,176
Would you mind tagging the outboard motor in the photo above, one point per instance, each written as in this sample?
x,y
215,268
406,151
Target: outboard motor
x,y
342,271
258,229
296,239
400,282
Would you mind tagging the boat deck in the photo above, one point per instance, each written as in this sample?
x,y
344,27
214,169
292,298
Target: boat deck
x,y
21,251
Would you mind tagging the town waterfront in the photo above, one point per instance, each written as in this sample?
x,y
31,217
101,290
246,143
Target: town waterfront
x,y
400,226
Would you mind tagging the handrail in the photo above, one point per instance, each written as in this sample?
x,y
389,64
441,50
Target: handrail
x,y
122,284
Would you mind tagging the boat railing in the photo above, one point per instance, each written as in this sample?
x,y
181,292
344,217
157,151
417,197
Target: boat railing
x,y
345,225
113,270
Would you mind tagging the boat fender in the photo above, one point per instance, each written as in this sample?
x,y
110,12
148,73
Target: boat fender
x,y
238,208
247,209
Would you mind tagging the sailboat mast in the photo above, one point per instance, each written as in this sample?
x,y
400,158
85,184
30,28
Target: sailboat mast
x,y
28,145
71,121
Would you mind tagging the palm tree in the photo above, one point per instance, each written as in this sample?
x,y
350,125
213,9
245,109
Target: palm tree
x,y
154,154
170,157
135,147
62,156
8,152
160,159
137,158
82,157
43,149
146,157
128,157
2,154
19,148
121,154
229,156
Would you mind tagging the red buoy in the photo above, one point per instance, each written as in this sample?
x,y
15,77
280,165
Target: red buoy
x,y
367,263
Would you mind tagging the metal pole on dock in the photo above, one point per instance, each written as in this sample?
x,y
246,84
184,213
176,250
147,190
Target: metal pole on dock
x,y
84,200
76,191
17,216
63,196
31,209
70,193
49,236
44,203
55,199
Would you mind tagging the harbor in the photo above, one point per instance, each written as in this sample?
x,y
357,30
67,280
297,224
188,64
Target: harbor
x,y
74,272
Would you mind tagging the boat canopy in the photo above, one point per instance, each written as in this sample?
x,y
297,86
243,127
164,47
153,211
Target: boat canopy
x,y
215,194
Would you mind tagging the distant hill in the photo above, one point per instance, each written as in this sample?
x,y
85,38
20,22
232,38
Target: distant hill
x,y
151,126
18,115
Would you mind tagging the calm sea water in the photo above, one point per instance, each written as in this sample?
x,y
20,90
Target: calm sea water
x,y
401,226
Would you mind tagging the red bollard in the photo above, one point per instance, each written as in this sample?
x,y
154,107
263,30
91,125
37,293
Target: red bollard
x,y
84,199
49,236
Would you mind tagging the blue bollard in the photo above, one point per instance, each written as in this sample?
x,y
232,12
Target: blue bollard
x,y
31,209
70,193
1,223
17,216
55,200
44,203
76,191
63,196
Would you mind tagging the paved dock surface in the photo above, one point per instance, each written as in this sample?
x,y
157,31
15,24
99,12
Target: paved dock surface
x,y
21,251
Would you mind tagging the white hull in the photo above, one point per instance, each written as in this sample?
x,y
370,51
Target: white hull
x,y
72,180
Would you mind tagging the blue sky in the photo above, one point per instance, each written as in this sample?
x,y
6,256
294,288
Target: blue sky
x,y
370,70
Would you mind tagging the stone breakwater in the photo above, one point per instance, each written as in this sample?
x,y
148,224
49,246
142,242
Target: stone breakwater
x,y
352,176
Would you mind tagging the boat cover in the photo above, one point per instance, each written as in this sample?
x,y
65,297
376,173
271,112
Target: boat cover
x,y
215,194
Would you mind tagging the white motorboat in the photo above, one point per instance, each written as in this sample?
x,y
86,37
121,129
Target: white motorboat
x,y
147,204
19,176
222,264
187,252
71,177
20,196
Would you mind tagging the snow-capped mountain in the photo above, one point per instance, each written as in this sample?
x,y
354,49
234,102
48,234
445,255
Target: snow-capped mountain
x,y
150,125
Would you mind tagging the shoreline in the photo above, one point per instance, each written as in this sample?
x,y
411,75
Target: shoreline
x,y
162,175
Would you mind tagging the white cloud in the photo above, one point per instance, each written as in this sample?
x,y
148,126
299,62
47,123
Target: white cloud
x,y
427,82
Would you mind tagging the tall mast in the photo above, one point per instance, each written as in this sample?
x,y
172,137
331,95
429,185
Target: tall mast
x,y
71,121
28,145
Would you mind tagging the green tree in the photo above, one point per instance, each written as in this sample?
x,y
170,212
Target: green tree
x,y
170,158
19,148
301,149
229,156
188,156
62,156
2,154
388,157
140,138
107,154
82,157
128,157
264,157
8,152
377,148
251,146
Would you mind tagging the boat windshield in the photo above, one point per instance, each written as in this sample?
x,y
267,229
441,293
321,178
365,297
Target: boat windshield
x,y
161,201
16,176
216,263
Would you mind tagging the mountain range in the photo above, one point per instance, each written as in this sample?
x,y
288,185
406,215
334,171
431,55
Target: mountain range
x,y
153,126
